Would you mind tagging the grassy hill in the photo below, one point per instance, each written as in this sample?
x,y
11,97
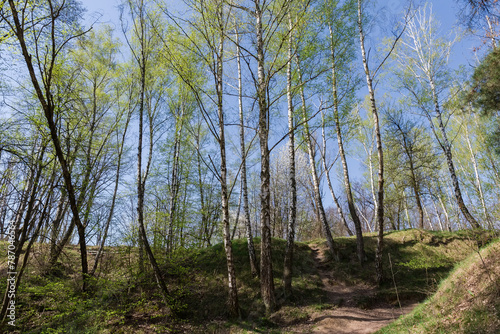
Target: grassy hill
x,y
123,301
468,301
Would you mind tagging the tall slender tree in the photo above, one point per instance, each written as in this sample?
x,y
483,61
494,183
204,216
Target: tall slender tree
x,y
41,57
292,213
314,173
370,75
380,184
340,20
423,58
244,183
204,39
143,35
266,18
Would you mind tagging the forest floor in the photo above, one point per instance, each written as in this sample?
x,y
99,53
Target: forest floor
x,y
348,314
328,296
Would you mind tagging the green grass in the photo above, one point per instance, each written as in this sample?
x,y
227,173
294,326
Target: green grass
x,y
468,301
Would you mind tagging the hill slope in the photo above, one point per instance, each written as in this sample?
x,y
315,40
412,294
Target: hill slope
x,y
468,301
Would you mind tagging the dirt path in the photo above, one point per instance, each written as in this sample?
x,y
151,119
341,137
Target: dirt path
x,y
347,316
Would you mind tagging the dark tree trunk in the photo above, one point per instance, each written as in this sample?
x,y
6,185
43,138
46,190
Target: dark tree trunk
x,y
141,58
46,101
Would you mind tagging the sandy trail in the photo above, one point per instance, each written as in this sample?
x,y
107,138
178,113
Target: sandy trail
x,y
348,317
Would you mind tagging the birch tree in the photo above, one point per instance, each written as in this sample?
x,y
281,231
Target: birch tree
x,y
204,39
244,183
142,55
266,18
370,75
422,60
340,21
314,173
292,213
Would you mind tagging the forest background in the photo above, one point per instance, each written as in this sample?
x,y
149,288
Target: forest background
x,y
179,127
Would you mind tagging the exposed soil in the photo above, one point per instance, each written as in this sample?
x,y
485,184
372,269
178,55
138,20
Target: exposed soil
x,y
350,312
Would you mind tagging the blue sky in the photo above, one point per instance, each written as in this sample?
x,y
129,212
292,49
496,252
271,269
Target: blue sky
x,y
445,11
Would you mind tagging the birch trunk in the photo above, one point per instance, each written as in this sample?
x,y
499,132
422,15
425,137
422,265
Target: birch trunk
x,y
347,183
380,185
406,210
292,210
266,269
446,146
234,309
328,180
440,221
317,195
478,180
174,183
246,209
416,191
